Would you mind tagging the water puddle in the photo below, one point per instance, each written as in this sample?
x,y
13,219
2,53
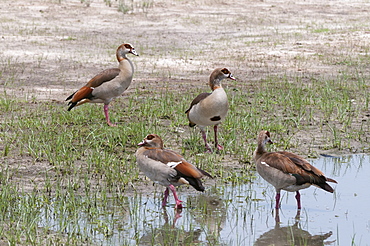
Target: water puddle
x,y
236,215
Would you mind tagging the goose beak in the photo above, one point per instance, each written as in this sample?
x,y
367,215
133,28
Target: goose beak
x,y
142,143
268,141
133,51
231,77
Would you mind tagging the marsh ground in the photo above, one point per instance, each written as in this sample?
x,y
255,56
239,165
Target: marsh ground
x,y
302,70
50,48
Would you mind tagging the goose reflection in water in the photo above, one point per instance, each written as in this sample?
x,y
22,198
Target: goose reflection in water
x,y
210,212
291,235
168,234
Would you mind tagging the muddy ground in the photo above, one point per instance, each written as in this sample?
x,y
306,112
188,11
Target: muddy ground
x,y
49,48
58,45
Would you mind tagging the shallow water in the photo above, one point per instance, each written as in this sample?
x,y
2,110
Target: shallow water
x,y
242,214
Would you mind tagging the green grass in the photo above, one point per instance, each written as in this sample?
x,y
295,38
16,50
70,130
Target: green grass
x,y
285,106
89,163
321,30
63,170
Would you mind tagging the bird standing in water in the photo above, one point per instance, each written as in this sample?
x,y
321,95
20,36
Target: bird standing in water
x,y
167,167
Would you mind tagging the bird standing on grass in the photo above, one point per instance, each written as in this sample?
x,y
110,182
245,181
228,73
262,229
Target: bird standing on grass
x,y
167,168
287,171
209,109
108,84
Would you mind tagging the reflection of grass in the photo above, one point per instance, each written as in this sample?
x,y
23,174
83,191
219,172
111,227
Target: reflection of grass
x,y
86,157
82,151
71,162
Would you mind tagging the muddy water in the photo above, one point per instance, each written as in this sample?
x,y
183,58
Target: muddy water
x,y
243,214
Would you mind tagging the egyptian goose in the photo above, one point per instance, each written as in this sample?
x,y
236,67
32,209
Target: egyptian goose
x,y
209,109
287,171
108,84
167,168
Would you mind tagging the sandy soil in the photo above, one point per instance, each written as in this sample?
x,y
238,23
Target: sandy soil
x,y
59,46
49,48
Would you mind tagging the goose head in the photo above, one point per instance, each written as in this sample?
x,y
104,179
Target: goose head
x,y
219,74
125,49
152,141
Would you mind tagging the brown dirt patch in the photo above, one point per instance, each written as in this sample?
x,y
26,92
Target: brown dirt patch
x,y
49,48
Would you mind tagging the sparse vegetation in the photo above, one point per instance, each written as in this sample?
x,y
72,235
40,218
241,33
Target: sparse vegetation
x,y
306,82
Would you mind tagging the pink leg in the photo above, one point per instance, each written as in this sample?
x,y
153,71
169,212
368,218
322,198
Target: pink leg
x,y
298,215
277,198
164,202
298,198
277,217
177,216
107,115
178,201
204,136
219,147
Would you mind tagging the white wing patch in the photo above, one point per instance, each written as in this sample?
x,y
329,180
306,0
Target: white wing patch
x,y
173,164
183,181
264,163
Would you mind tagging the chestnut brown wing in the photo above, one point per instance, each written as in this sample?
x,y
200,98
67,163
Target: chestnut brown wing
x,y
196,100
174,160
85,91
103,77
